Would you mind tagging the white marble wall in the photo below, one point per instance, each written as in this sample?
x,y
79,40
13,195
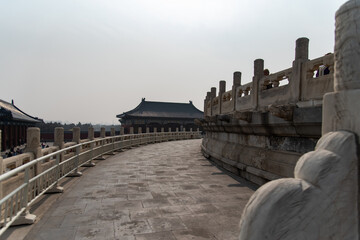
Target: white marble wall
x,y
321,201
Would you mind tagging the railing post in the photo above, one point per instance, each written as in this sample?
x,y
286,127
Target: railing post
x,y
341,109
121,140
102,132
102,142
213,95
258,74
205,103
131,136
170,137
77,140
102,135
147,138
76,135
140,131
112,134
59,142
155,134
301,57
59,137
222,89
33,146
162,135
91,133
77,159
236,83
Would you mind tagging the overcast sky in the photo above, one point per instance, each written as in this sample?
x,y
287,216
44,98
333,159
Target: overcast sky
x,y
89,60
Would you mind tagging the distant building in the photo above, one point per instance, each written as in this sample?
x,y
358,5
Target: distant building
x,y
161,115
13,125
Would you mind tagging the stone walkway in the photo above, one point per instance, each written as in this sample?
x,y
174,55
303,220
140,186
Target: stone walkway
x,y
159,191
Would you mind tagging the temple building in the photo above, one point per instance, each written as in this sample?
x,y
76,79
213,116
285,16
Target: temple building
x,y
161,115
13,125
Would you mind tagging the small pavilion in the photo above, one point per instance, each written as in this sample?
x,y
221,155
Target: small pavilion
x,y
167,115
13,125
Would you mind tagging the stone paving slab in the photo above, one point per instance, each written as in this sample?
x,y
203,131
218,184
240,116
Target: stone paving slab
x,y
159,191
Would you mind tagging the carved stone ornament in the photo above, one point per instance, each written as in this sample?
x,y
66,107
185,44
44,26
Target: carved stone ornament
x,y
317,204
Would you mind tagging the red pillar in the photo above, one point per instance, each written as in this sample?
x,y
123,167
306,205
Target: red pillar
x,y
16,135
11,136
23,137
20,133
25,133
6,139
3,140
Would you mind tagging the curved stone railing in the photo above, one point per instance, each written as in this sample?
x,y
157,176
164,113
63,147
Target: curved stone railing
x,y
260,129
302,84
38,171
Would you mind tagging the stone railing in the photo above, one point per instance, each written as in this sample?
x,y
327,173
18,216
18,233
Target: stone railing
x,y
26,177
270,91
318,79
321,200
243,98
227,101
303,84
260,129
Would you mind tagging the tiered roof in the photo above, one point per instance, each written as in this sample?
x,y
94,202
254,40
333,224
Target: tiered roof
x,y
9,112
149,109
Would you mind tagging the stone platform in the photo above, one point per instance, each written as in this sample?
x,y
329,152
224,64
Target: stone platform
x,y
159,191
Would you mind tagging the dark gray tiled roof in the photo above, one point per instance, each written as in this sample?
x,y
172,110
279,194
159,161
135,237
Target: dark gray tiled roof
x,y
163,110
9,111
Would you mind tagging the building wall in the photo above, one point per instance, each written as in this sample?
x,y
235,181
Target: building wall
x,y
13,134
158,123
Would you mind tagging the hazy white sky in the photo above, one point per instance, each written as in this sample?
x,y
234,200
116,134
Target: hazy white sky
x,y
88,60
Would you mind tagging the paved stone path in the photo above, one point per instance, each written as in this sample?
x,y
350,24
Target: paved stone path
x,y
159,191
